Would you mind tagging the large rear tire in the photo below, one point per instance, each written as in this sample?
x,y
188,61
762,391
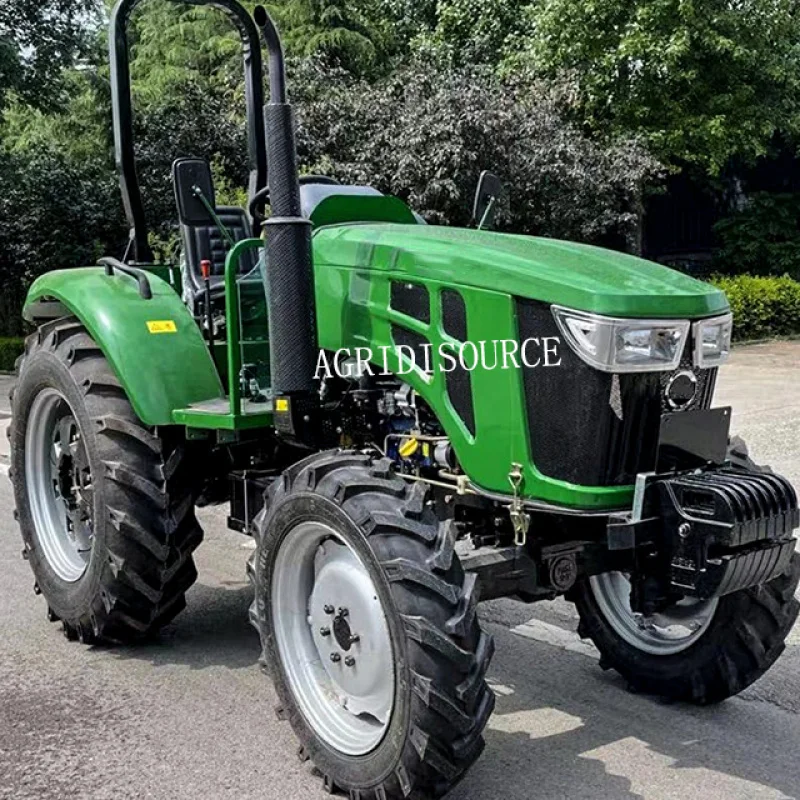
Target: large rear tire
x,y
369,629
105,503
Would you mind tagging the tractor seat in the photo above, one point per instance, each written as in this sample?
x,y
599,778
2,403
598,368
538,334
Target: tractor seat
x,y
201,237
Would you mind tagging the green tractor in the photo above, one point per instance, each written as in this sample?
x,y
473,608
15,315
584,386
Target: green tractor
x,y
408,419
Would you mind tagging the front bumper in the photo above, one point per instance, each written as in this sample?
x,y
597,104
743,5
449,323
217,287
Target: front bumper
x,y
715,530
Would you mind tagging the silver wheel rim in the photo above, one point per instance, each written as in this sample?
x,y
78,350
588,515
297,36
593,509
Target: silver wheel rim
x,y
59,485
333,638
665,633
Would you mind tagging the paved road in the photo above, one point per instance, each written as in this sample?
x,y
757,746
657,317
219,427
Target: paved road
x,y
192,717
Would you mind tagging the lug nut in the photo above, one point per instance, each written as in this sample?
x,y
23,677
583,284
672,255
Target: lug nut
x,y
324,631
328,609
350,661
343,612
336,658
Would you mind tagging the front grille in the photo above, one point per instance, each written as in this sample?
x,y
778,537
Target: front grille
x,y
706,381
589,427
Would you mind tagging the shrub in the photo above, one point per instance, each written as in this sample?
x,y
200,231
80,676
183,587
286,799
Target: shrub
x,y
10,350
761,239
762,306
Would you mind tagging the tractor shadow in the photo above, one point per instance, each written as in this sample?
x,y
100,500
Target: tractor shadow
x,y
212,631
564,729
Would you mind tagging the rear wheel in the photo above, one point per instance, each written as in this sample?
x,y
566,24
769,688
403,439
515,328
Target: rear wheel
x,y
369,629
105,503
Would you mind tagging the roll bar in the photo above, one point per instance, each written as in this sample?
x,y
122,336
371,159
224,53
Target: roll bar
x,y
121,105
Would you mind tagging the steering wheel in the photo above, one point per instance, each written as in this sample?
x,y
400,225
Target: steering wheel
x,y
261,197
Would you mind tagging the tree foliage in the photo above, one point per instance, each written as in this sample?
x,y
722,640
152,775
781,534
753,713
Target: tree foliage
x,y
54,214
177,47
763,238
426,132
473,31
344,33
38,38
762,306
701,80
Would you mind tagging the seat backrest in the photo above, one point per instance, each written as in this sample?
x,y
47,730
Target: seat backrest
x,y
202,237
208,243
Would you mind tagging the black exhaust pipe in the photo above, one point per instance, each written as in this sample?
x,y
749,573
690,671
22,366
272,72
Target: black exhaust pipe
x,y
289,276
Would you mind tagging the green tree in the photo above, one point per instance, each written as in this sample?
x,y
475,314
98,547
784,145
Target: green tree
x,y
762,238
175,46
54,214
38,38
426,131
474,31
345,33
700,80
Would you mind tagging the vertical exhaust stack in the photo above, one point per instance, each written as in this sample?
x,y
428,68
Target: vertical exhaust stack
x,y
289,276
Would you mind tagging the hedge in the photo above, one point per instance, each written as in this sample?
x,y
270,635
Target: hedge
x,y
762,306
10,349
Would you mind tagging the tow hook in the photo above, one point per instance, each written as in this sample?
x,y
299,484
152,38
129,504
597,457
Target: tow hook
x,y
520,520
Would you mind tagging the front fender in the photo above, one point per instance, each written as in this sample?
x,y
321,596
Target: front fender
x,y
162,367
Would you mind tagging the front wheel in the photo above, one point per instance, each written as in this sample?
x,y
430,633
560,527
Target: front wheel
x,y
369,629
698,651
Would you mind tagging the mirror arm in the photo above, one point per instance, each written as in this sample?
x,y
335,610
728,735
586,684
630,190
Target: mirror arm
x,y
487,213
213,214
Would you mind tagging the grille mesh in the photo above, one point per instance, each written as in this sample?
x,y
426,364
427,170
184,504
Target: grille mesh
x,y
454,315
411,299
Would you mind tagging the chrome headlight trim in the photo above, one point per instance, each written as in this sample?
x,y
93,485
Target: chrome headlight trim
x,y
725,323
607,353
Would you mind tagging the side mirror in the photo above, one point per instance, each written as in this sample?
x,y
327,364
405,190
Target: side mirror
x,y
487,198
188,176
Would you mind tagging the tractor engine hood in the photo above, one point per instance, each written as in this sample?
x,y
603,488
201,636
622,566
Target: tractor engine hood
x,y
575,275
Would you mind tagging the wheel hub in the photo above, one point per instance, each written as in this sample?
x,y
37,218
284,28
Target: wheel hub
x,y
359,630
342,632
59,483
333,638
667,632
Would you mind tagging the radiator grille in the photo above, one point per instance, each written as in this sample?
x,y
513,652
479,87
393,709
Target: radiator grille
x,y
589,427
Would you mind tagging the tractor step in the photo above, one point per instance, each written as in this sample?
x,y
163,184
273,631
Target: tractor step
x,y
215,414
247,497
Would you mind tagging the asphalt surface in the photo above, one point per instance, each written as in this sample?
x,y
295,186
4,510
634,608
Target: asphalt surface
x,y
191,716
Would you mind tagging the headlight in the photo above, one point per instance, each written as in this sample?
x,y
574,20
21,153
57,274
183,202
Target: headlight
x,y
623,345
712,341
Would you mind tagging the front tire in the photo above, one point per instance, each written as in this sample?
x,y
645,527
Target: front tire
x,y
727,643
105,504
346,549
736,645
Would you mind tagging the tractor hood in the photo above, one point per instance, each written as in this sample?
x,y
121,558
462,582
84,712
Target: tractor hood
x,y
575,275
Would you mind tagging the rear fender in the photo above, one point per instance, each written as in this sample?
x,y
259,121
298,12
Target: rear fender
x,y
154,345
